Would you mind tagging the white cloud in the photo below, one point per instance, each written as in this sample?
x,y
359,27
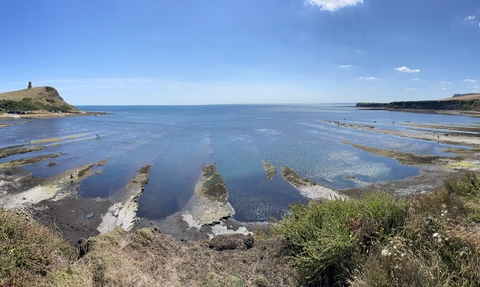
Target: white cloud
x,y
367,78
444,82
444,88
473,87
470,80
333,5
410,89
416,79
345,66
470,17
407,70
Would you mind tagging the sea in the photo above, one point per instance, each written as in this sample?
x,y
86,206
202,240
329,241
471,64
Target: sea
x,y
178,140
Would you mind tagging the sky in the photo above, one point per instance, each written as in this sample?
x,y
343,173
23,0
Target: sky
x,y
192,52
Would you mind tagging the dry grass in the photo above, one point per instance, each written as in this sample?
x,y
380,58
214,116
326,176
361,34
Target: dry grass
x,y
149,258
25,93
28,251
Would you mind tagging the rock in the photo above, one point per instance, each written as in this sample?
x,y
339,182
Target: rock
x,y
84,246
270,170
231,242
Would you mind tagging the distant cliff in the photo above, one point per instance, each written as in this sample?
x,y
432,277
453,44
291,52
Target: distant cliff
x,y
34,99
464,102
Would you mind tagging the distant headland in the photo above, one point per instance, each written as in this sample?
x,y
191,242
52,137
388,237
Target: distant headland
x,y
458,102
36,102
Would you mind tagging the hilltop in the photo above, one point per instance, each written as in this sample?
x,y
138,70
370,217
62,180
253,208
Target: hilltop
x,y
36,100
463,97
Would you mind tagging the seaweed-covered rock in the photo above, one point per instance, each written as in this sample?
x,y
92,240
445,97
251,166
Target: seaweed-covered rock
x,y
270,170
213,186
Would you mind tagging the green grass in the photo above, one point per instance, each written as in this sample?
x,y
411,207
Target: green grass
x,y
27,104
383,240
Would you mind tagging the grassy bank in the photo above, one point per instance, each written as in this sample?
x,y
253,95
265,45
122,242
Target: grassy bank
x,y
375,240
382,240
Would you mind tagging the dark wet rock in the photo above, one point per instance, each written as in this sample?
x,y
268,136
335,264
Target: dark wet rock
x,y
231,242
16,179
84,245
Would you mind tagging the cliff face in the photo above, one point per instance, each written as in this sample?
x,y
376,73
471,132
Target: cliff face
x,y
35,99
450,105
460,105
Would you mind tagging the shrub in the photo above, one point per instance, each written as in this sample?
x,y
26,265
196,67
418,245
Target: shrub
x,y
328,237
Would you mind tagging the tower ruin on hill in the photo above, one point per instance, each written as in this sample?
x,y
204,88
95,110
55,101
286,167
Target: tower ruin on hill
x,y
29,85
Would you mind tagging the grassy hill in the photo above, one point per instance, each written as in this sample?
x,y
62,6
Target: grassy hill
x,y
464,97
34,99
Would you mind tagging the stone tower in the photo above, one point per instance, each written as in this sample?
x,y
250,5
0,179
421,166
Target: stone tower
x,y
29,85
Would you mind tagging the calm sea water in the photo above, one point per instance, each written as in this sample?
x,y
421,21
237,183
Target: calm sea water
x,y
177,140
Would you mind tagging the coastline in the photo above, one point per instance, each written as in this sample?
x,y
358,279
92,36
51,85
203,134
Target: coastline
x,y
49,115
202,218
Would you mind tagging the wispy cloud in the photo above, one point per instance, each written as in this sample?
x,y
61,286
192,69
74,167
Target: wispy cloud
x,y
345,66
410,89
407,70
470,80
416,79
333,5
444,88
473,87
444,82
470,17
367,78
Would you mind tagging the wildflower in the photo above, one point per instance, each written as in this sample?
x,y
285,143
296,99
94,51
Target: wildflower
x,y
385,252
435,234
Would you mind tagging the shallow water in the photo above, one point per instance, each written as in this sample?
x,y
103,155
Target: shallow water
x,y
177,140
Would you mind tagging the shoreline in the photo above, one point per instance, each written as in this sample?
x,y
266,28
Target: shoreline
x,y
49,115
79,217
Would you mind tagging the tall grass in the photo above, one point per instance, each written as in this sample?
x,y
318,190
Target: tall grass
x,y
383,240
28,251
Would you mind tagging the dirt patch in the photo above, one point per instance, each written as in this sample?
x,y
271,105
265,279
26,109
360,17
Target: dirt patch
x,y
148,257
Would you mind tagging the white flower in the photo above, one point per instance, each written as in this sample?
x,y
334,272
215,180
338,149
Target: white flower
x,y
435,234
385,252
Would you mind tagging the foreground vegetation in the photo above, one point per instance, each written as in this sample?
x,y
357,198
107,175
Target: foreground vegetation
x,y
376,240
382,240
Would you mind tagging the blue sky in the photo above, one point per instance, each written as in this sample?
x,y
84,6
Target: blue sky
x,y
159,52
